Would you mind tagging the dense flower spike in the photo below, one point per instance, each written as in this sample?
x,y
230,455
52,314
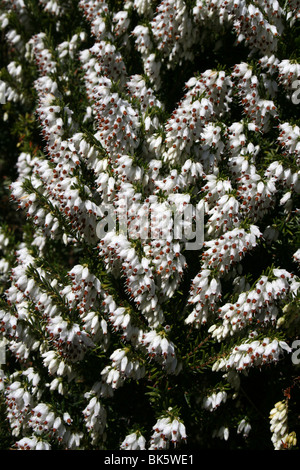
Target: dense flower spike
x,y
213,401
149,259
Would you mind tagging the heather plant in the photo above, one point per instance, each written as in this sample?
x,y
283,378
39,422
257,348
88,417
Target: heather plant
x,y
129,128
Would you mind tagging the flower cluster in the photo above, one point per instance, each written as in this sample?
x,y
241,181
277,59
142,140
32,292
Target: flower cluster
x,y
279,427
252,354
134,441
257,305
213,401
167,430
